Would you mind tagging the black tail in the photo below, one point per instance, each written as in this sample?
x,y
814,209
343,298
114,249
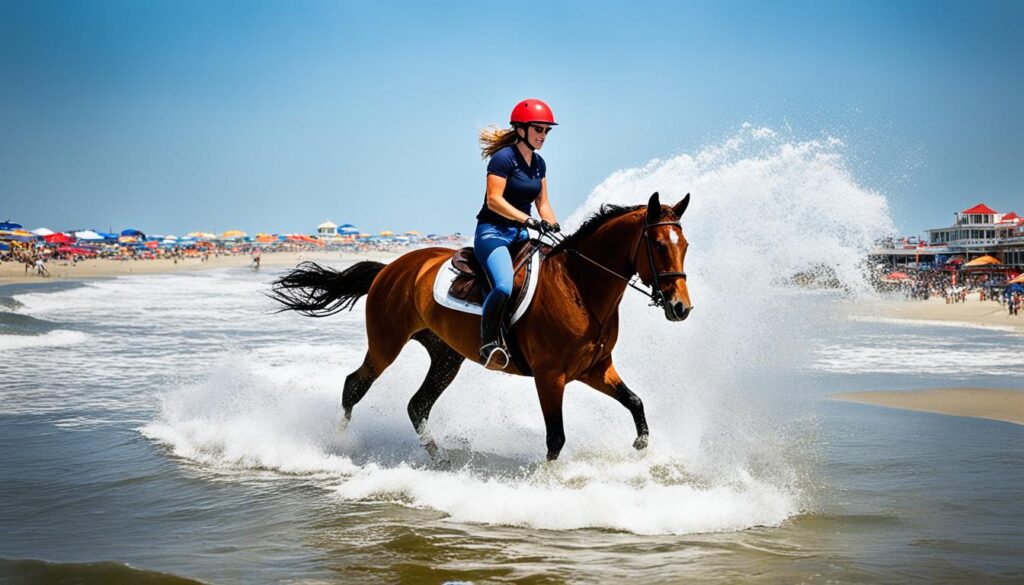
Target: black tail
x,y
316,291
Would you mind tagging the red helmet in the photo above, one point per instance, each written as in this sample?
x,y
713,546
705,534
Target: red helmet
x,y
532,110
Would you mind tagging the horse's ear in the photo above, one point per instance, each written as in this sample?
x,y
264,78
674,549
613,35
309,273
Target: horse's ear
x,y
653,209
680,208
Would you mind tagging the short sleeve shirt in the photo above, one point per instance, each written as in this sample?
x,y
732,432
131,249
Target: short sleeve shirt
x,y
522,185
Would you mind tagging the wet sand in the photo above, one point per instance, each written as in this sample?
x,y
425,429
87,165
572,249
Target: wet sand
x,y
11,273
973,312
1005,405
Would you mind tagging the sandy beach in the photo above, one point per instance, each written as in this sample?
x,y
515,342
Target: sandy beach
x,y
995,404
12,272
1000,404
971,312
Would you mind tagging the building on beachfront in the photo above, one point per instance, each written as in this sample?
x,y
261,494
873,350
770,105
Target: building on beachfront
x,y
976,231
327,228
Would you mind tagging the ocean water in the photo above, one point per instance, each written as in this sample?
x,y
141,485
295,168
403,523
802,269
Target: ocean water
x,y
172,427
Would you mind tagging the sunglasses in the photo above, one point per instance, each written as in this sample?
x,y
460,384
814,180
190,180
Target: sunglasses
x,y
541,129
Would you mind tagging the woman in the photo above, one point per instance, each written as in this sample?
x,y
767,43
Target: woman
x,y
516,179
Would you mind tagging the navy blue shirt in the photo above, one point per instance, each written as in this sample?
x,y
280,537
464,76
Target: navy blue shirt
x,y
522,185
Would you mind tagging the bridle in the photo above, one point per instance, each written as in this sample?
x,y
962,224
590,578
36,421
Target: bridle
x,y
657,297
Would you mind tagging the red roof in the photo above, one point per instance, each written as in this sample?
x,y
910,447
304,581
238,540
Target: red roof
x,y
982,209
1008,217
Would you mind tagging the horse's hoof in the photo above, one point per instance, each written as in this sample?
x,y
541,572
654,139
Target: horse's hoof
x,y
431,448
442,464
553,456
343,423
640,443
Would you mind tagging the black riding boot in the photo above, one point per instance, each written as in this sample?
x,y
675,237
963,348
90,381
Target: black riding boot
x,y
492,354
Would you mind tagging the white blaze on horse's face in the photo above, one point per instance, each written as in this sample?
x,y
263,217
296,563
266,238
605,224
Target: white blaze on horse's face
x,y
667,253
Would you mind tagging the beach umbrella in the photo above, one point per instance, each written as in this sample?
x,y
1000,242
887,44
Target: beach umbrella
x,y
43,232
59,238
232,234
412,233
4,246
133,233
8,225
363,236
386,233
15,236
982,261
152,244
897,276
89,236
348,230
1018,280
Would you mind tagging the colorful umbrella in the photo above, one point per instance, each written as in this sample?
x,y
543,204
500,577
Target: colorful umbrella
x,y
982,261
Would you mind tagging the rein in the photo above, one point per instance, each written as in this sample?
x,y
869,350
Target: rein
x,y
656,296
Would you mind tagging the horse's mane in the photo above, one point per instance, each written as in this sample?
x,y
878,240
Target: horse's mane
x,y
607,213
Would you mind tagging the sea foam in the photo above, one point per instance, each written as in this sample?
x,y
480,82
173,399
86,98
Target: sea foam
x,y
57,338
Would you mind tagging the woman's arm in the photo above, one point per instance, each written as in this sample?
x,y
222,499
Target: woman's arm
x,y
496,200
543,207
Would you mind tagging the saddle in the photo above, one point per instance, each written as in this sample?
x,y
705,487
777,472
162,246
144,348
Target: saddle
x,y
471,285
461,285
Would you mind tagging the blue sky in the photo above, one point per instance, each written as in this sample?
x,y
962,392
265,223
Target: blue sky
x,y
184,115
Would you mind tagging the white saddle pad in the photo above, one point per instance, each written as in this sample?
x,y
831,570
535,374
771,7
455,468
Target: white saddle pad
x,y
447,274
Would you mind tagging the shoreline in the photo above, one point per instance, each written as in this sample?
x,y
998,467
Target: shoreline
x,y
13,273
998,404
973,312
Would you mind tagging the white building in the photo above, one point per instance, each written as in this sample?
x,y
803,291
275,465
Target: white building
x,y
327,228
977,231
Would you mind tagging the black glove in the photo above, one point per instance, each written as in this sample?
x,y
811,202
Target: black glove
x,y
551,227
534,225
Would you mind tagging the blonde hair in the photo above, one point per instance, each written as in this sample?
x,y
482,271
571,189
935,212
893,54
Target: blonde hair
x,y
493,139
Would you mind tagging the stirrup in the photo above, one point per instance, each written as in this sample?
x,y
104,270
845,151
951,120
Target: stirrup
x,y
494,356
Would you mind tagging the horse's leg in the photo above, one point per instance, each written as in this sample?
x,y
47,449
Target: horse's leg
x,y
550,388
606,380
444,366
384,347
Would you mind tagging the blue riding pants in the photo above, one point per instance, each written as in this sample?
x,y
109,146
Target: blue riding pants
x,y
490,244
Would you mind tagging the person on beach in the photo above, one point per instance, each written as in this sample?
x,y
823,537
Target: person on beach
x,y
256,254
41,268
516,180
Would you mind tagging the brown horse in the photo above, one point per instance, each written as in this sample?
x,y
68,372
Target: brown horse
x,y
567,334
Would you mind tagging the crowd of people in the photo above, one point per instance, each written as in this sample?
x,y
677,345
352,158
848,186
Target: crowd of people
x,y
957,287
37,256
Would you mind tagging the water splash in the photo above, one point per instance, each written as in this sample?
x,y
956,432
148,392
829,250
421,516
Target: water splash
x,y
728,450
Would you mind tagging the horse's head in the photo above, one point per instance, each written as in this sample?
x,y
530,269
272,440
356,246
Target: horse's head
x,y
659,254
